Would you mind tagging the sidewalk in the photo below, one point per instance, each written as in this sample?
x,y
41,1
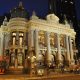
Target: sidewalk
x,y
46,77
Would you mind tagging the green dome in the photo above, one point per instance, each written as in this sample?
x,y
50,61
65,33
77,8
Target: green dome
x,y
19,12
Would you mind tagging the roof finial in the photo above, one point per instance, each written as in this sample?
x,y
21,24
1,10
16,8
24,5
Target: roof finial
x,y
71,24
20,4
5,21
34,13
65,19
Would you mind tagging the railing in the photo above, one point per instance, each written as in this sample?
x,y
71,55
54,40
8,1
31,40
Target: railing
x,y
54,49
43,48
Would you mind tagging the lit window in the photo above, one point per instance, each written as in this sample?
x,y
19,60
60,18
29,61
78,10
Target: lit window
x,y
71,2
20,40
20,59
65,1
14,40
12,59
20,34
14,34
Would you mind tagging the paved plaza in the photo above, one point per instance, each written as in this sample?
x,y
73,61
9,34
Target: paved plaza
x,y
46,77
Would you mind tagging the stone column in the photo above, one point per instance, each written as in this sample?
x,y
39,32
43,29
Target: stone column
x,y
36,45
6,41
36,48
28,40
0,47
59,49
74,44
71,50
67,48
1,44
16,63
31,43
23,50
48,48
32,38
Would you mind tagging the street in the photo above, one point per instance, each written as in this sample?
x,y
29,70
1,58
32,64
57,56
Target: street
x,y
50,77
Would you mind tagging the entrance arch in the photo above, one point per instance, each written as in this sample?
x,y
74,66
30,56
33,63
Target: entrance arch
x,y
12,59
53,60
63,59
16,60
20,59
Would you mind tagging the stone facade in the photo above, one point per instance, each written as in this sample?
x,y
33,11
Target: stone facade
x,y
37,43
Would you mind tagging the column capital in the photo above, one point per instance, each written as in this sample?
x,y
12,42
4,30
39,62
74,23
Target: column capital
x,y
48,32
58,34
36,30
31,29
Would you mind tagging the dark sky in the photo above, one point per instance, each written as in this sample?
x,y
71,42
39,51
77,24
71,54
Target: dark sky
x,y
78,8
40,6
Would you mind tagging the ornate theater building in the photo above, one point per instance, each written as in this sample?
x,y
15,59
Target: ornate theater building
x,y
32,44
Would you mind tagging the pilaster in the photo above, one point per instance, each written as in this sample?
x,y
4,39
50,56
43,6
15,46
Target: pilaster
x,y
48,47
71,51
59,49
68,51
36,45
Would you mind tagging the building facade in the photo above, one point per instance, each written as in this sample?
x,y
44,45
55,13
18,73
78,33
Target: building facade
x,y
36,43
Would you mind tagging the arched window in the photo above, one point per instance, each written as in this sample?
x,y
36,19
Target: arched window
x,y
20,39
63,59
20,59
12,59
13,38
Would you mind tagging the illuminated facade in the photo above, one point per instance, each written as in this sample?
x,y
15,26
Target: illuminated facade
x,y
36,43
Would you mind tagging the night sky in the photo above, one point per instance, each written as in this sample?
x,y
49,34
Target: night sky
x,y
77,4
40,6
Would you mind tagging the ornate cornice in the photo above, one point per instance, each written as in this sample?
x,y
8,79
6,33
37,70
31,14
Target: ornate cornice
x,y
51,27
21,24
17,24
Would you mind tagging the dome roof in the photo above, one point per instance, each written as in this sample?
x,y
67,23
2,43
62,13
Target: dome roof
x,y
52,17
19,12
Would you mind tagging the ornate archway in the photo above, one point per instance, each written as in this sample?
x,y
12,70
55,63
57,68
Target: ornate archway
x,y
53,58
63,59
16,60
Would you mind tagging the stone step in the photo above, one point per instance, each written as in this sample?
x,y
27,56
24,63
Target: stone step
x,y
15,71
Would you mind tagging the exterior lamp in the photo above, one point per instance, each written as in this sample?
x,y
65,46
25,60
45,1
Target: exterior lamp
x,y
28,57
